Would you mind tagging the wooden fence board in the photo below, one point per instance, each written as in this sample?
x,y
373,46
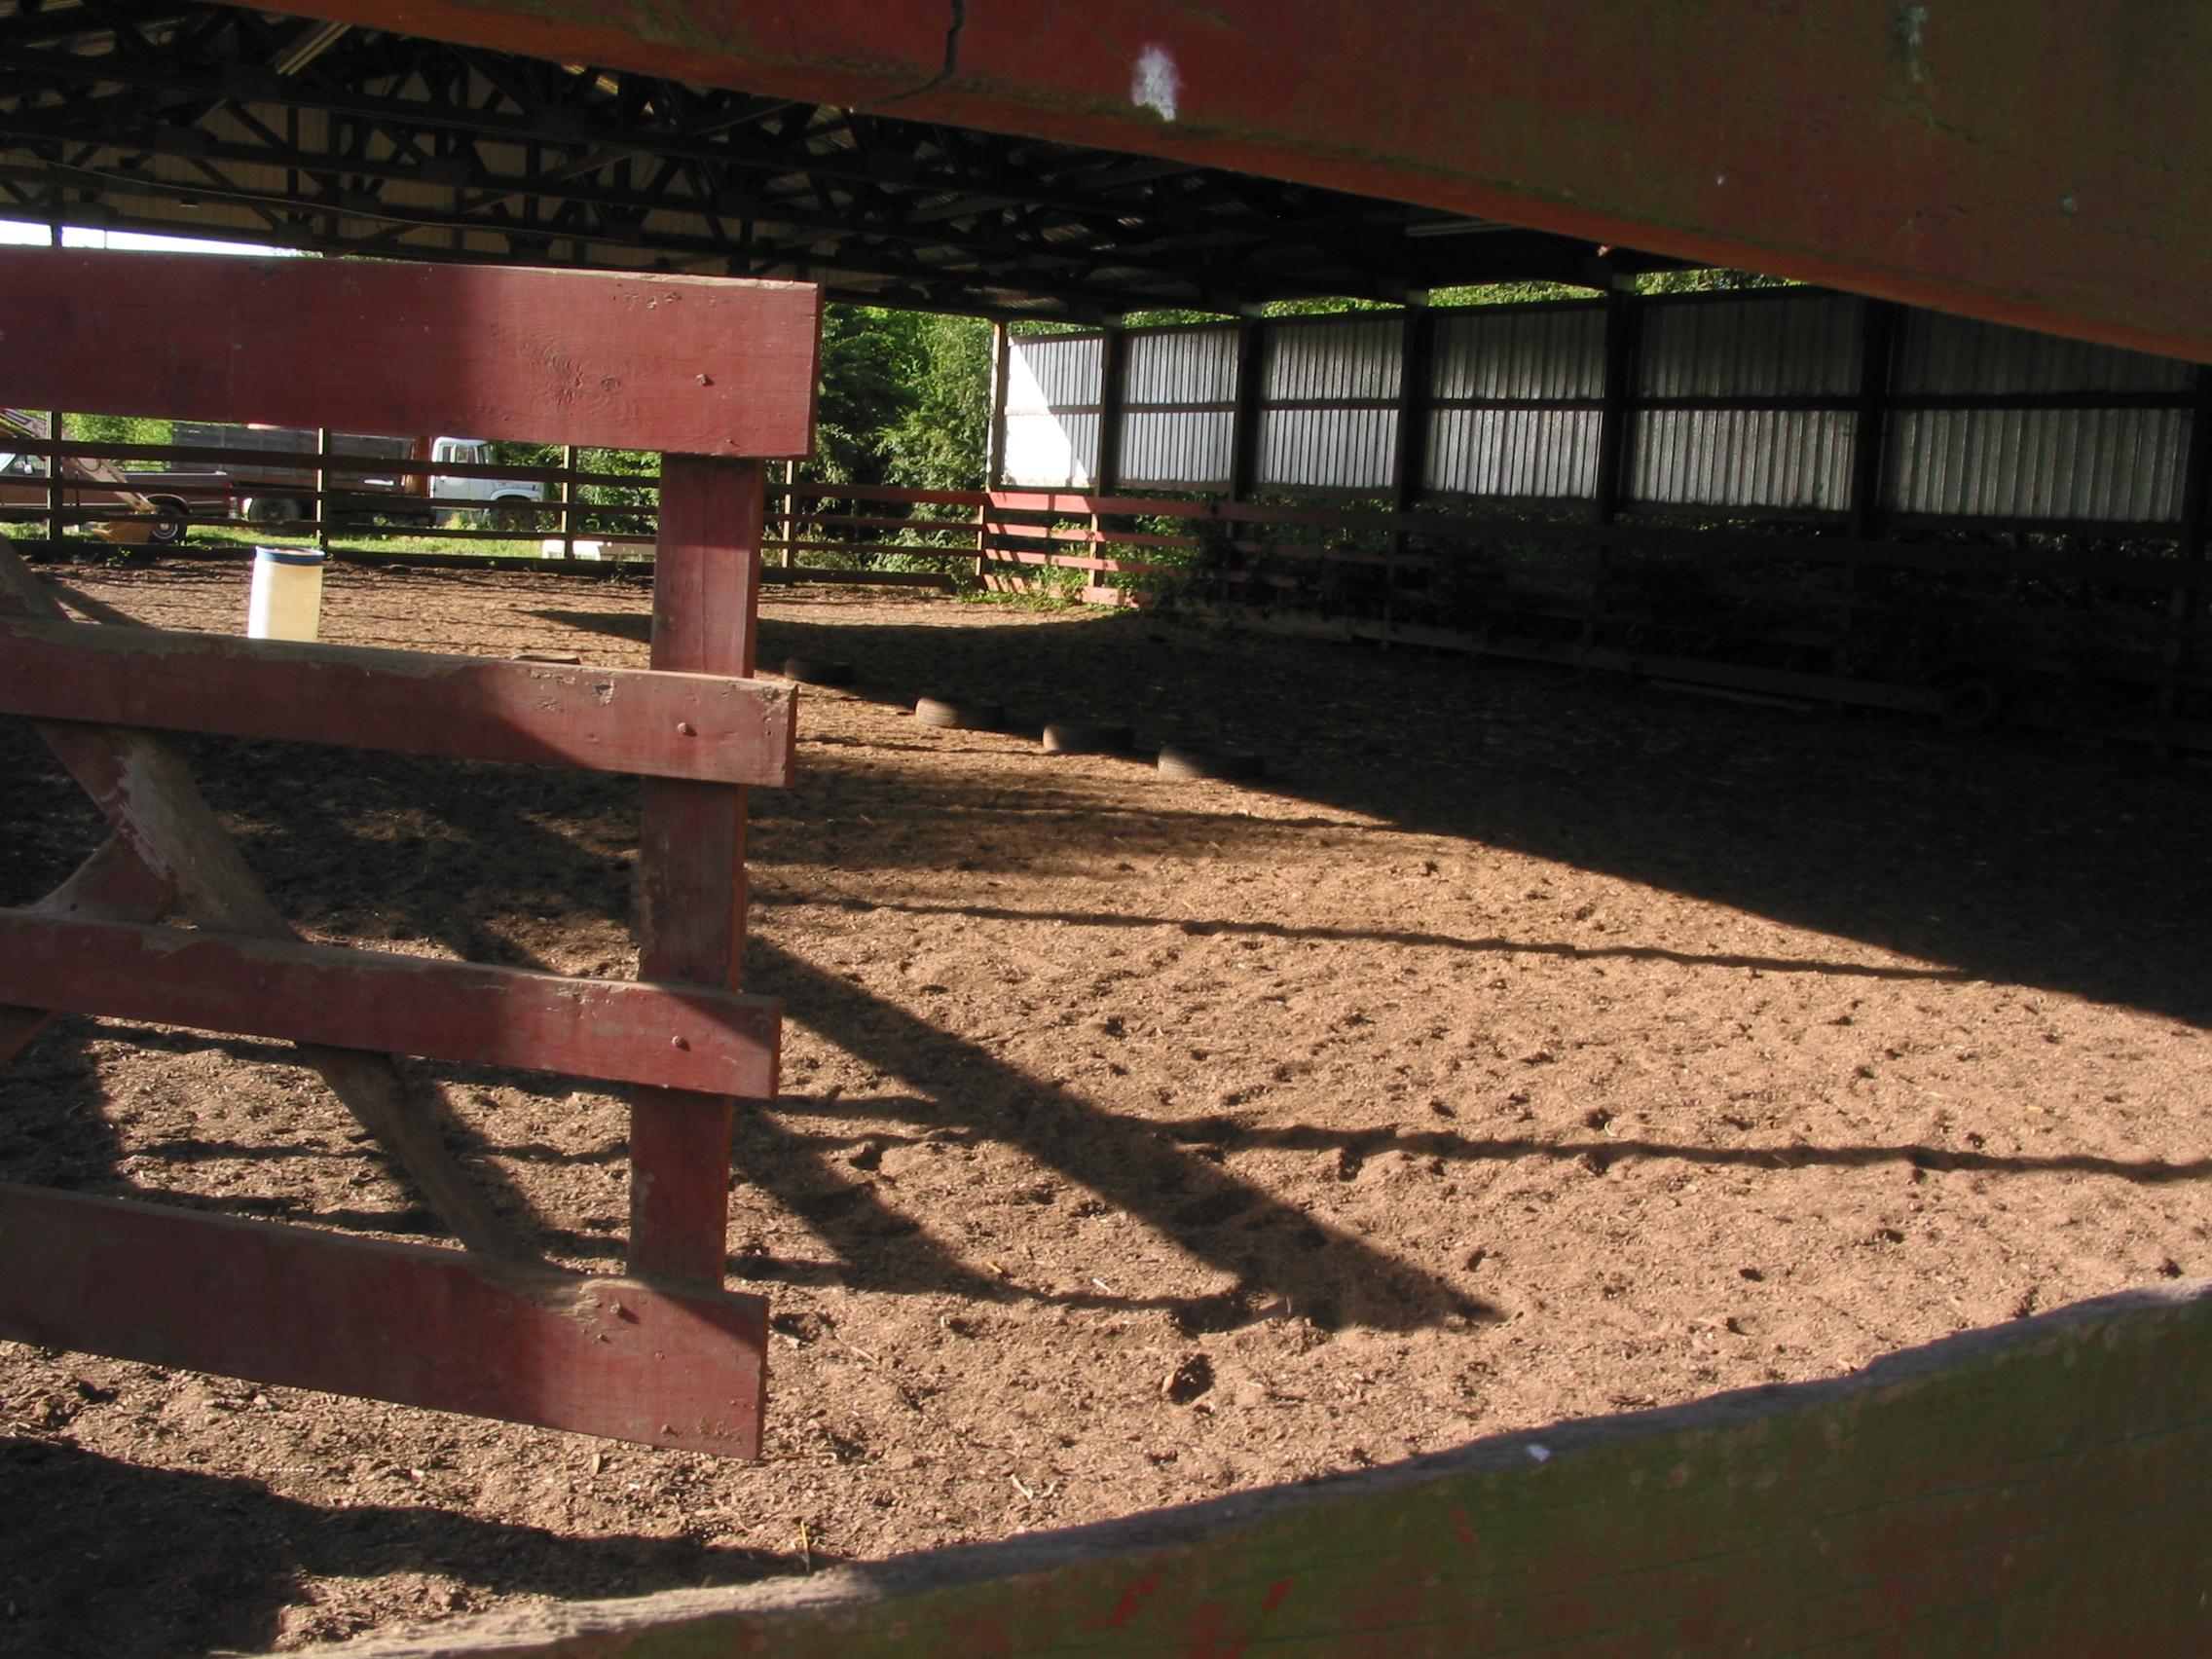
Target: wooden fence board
x,y
621,1030
702,727
2033,1490
417,1326
634,360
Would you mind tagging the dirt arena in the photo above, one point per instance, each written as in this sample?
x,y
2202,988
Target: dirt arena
x,y
1528,1045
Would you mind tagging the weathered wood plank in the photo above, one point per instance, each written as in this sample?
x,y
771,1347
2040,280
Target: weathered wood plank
x,y
634,360
2034,1490
669,1036
113,884
147,793
692,860
417,1326
704,727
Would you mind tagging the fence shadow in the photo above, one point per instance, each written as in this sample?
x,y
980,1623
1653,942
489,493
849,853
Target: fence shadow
x,y
1999,856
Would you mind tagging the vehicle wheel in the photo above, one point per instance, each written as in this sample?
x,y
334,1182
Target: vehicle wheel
x,y
172,525
514,516
271,509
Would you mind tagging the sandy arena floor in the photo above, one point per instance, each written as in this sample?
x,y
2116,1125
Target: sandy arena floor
x,y
1528,1045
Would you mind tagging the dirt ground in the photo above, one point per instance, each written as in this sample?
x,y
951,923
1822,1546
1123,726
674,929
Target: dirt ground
x,y
1528,1045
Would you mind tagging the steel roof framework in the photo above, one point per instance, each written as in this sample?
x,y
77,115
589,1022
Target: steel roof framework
x,y
222,122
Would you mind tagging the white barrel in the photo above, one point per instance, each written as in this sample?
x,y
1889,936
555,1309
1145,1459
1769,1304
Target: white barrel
x,y
286,603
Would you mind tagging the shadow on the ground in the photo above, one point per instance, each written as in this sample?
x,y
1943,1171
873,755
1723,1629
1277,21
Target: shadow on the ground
x,y
105,1559
2003,856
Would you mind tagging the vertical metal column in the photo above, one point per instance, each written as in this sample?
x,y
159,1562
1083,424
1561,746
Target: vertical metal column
x,y
1251,397
1869,454
1616,435
2184,605
1409,471
691,859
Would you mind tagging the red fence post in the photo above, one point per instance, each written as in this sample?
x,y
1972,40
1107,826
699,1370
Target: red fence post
x,y
691,859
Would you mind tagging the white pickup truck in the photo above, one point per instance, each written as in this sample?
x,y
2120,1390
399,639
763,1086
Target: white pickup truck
x,y
509,504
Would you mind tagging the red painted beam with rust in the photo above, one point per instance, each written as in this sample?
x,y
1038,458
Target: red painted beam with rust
x,y
701,726
669,1036
306,1308
2047,166
636,361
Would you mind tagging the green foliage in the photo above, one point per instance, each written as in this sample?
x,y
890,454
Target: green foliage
x,y
1706,281
943,441
121,429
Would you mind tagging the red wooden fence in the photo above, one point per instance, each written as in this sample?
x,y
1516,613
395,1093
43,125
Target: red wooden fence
x,y
722,371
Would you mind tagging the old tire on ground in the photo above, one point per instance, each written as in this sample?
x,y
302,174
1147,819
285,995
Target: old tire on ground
x,y
956,714
1087,737
818,671
1193,760
1971,704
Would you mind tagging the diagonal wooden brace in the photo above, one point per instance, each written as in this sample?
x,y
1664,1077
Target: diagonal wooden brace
x,y
113,885
147,793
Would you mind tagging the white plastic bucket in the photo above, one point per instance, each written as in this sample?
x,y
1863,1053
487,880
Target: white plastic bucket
x,y
287,601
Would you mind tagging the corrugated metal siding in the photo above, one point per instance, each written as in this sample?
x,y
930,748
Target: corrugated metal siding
x,y
1334,449
1057,372
1798,347
1540,454
1177,448
1052,451
1790,459
1051,410
1189,366
1951,355
2109,466
1555,354
1353,359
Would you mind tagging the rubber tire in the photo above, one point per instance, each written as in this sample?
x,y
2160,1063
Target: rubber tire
x,y
271,509
172,527
1187,761
1082,737
1972,705
516,516
953,714
818,671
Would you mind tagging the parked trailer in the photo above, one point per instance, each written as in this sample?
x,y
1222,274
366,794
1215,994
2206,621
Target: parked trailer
x,y
264,493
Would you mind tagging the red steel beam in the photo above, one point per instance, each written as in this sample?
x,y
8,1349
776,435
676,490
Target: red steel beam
x,y
705,727
669,1036
639,360
305,1309
2046,165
